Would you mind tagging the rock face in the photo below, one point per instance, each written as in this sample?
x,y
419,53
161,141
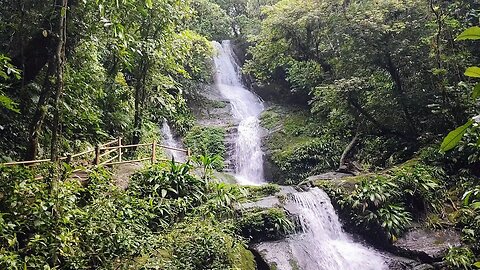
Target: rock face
x,y
277,255
427,245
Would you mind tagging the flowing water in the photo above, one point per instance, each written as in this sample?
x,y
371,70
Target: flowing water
x,y
246,107
322,235
169,140
321,244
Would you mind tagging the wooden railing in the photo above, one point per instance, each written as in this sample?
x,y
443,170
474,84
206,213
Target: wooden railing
x,y
109,153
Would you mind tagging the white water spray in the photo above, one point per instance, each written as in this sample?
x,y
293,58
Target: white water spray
x,y
169,140
322,244
246,106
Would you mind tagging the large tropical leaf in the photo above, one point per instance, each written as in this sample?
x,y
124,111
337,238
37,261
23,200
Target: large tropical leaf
x,y
473,72
472,33
476,91
454,137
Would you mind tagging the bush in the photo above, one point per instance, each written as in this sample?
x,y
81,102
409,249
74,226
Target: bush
x,y
459,258
372,207
201,244
421,186
39,218
48,223
388,201
307,158
261,225
207,141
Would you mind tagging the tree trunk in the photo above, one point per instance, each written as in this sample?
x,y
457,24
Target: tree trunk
x,y
60,64
398,90
39,115
139,100
343,159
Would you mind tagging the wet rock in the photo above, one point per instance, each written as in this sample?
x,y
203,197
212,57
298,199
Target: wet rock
x,y
427,245
328,176
277,255
423,267
264,203
399,263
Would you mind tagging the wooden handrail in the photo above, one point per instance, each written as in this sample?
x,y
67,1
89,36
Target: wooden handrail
x,y
173,148
83,153
109,149
108,160
126,161
107,152
26,162
110,142
124,146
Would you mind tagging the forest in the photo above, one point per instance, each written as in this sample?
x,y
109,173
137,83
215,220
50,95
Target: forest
x,y
240,134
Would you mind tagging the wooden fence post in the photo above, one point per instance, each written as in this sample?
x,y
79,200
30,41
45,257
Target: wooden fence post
x,y
119,148
97,154
154,151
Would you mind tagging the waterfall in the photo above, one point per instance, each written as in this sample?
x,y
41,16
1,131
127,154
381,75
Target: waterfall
x,y
322,244
169,140
246,107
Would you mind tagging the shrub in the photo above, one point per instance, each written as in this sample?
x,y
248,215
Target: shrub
x,y
207,141
39,216
304,159
459,258
48,223
372,206
421,187
201,244
260,225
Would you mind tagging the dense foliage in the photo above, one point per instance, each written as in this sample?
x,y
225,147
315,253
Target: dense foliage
x,y
166,219
116,66
386,72
389,201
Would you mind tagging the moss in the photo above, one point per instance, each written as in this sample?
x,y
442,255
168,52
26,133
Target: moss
x,y
294,264
257,192
296,145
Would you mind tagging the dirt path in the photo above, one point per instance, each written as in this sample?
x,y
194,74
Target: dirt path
x,y
123,172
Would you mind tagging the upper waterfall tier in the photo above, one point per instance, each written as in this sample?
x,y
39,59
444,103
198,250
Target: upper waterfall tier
x,y
246,108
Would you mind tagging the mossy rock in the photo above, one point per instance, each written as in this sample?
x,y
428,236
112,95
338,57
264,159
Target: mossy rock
x,y
259,225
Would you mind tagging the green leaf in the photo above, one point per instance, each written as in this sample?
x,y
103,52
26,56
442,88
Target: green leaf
x,y
8,104
472,33
473,72
149,3
454,137
477,264
476,91
475,205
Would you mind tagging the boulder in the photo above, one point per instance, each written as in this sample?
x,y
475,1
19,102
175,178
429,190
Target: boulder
x,y
427,245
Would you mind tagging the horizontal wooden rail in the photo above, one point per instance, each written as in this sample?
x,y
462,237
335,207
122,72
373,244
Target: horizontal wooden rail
x,y
125,146
109,160
83,153
106,149
126,161
109,143
26,162
107,152
173,148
